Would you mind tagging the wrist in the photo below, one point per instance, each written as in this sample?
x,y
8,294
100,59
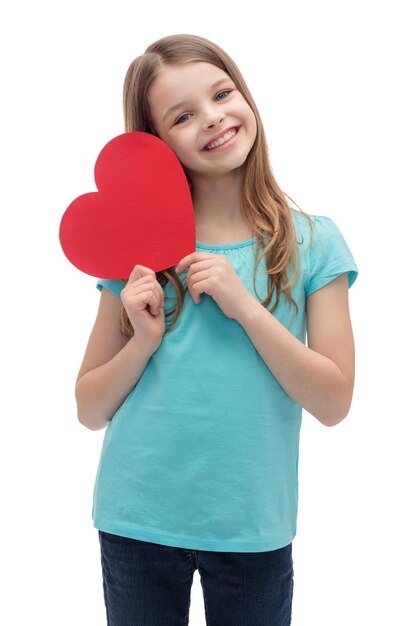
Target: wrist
x,y
145,344
249,310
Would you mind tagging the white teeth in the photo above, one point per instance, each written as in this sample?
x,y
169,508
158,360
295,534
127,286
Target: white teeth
x,y
222,139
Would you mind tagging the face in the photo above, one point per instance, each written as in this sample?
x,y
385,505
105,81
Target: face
x,y
208,104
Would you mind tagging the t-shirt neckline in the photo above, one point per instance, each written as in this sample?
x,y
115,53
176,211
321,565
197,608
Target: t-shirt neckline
x,y
226,246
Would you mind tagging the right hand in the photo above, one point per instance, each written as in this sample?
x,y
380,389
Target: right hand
x,y
143,289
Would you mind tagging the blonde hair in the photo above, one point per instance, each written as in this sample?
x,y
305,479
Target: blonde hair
x,y
265,208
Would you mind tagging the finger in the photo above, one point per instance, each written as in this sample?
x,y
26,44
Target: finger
x,y
145,283
139,271
150,299
187,261
156,304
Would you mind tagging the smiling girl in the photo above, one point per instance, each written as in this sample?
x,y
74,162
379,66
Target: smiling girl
x,y
202,402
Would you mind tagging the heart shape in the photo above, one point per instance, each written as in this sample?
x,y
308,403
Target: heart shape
x,y
141,214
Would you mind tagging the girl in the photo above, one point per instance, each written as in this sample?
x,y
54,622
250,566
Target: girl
x,y
203,400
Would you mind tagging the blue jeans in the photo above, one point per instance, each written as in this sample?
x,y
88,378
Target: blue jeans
x,y
148,584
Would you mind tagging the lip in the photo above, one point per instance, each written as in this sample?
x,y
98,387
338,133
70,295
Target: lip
x,y
218,135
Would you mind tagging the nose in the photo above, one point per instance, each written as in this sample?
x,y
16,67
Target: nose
x,y
213,117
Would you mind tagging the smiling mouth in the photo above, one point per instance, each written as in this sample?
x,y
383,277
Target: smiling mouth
x,y
228,136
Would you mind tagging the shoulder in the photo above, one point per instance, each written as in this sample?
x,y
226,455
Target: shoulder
x,y
317,233
309,227
325,251
115,286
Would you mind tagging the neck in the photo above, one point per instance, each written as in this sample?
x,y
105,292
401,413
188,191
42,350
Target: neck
x,y
217,201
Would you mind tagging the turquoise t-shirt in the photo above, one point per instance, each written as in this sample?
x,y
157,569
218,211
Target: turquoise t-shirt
x,y
203,452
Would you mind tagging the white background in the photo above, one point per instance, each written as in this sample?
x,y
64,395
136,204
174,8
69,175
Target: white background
x,y
335,85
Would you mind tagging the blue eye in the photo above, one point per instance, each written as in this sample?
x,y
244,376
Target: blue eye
x,y
227,91
178,120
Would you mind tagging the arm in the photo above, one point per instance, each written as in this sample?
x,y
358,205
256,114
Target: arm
x,y
319,377
111,367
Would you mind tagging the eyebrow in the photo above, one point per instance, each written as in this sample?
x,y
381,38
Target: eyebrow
x,y
185,102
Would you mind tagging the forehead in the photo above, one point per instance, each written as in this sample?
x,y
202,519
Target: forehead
x,y
174,72
182,81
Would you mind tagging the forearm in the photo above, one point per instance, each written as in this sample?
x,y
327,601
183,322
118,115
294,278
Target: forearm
x,y
101,391
309,378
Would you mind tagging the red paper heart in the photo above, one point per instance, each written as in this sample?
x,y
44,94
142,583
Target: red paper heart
x,y
141,214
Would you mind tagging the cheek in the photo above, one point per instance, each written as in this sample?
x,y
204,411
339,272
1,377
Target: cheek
x,y
251,115
174,144
252,124
185,143
182,152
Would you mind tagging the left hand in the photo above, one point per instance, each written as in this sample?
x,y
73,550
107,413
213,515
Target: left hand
x,y
213,274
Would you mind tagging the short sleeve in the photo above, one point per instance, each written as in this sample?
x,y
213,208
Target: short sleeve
x,y
116,286
329,256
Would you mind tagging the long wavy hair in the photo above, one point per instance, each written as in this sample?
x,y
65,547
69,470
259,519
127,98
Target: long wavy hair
x,y
265,208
